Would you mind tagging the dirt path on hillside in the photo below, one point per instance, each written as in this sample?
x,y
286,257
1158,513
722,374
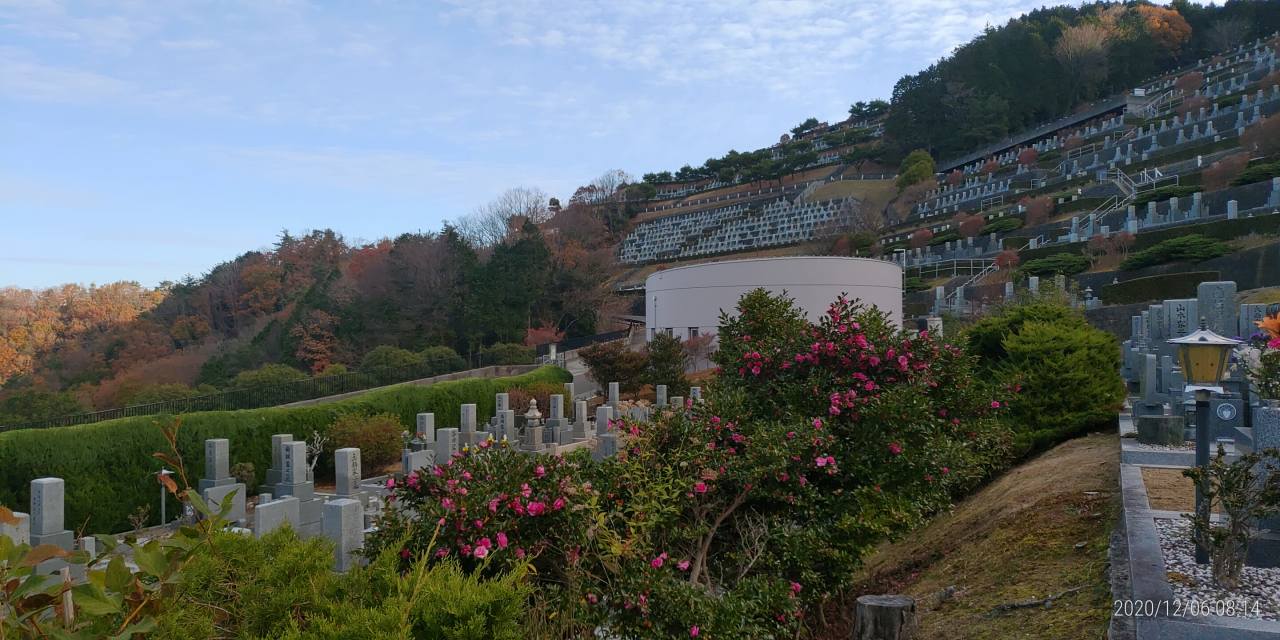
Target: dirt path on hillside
x,y
1040,529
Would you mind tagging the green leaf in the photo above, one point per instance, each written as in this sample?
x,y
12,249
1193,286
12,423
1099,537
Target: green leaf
x,y
94,601
151,559
118,575
107,543
199,504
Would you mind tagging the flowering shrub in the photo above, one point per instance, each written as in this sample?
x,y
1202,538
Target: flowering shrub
x,y
1260,357
740,516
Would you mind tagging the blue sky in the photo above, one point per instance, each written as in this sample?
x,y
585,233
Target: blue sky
x,y
150,140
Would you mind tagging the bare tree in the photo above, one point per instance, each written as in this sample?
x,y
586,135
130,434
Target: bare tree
x,y
1227,33
491,223
1082,51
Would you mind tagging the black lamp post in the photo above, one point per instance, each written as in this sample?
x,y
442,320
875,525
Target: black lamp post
x,y
1203,355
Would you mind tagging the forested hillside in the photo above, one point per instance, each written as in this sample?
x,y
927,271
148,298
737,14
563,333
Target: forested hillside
x,y
522,270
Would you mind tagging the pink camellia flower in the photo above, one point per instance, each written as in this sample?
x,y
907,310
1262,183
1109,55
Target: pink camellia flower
x,y
502,540
439,554
821,461
946,470
700,487
895,448
791,435
1274,343
591,597
520,553
525,490
817,423
484,542
535,508
391,482
795,588
480,552
412,480
693,631
447,504
558,504
465,550
493,505
404,553
683,565
539,471
656,563
995,404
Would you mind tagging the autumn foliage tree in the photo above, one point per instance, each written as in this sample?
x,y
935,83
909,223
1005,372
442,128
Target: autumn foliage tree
x,y
920,238
1220,174
1263,138
1038,209
1028,156
1166,27
1189,82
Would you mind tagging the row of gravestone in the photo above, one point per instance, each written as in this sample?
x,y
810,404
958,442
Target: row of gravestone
x,y
347,515
1151,364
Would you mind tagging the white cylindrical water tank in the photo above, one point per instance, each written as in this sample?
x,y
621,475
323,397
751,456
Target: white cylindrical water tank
x,y
686,301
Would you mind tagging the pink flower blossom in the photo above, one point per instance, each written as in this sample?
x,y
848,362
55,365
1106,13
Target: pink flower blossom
x,y
817,423
536,508
539,471
1274,343
520,553
447,504
404,553
391,482
693,631
700,487
480,552
895,448
502,540
683,565
656,563
493,505
558,504
795,588
821,461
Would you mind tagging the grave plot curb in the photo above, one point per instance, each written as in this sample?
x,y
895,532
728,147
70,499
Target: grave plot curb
x,y
1150,587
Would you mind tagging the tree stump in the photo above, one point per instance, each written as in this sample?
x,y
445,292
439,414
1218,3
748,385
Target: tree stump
x,y
884,618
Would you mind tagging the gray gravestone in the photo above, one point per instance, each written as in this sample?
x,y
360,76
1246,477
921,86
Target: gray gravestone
x,y
1266,435
556,408
661,392
425,427
695,393
448,442
606,446
217,464
411,461
1250,315
273,473
343,523
677,402
1218,307
47,502
1180,317
604,413
1155,313
580,420
213,497
613,394
272,515
346,469
468,424
20,532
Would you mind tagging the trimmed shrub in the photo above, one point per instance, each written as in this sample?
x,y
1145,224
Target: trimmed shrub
x,y
1001,225
1165,286
1257,173
1164,193
613,362
34,404
267,374
388,356
442,359
378,437
1188,248
506,353
110,471
1067,264
1067,370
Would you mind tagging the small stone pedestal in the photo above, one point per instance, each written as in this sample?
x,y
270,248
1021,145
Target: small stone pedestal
x,y
884,618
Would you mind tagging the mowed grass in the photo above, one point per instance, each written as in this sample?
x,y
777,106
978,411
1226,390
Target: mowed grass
x,y
1038,530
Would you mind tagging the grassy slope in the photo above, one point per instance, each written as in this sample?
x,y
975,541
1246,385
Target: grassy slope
x,y
1015,540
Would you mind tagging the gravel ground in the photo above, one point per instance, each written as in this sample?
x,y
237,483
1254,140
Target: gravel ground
x,y
1186,446
1193,588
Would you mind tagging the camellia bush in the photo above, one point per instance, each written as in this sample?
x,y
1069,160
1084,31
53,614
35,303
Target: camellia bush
x,y
740,516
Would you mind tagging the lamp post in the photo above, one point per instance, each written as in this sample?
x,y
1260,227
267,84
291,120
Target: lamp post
x,y
1203,354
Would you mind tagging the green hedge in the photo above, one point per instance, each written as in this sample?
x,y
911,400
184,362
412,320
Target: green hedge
x,y
1187,248
1221,229
109,469
1164,193
1258,173
1002,225
1167,286
1068,264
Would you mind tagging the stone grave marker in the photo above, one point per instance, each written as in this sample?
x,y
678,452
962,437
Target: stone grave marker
x,y
268,517
448,442
273,473
1250,315
19,532
1218,307
296,484
604,413
47,504
347,472
213,496
1181,317
661,392
613,395
217,464
343,523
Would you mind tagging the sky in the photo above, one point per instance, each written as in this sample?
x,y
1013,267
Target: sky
x,y
148,141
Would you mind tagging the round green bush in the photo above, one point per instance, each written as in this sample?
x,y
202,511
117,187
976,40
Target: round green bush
x,y
377,436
